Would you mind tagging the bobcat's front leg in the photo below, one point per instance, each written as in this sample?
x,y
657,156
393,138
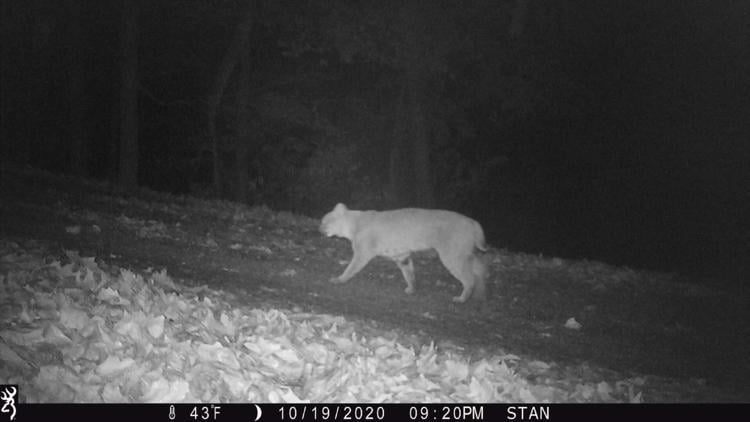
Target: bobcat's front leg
x,y
406,266
359,260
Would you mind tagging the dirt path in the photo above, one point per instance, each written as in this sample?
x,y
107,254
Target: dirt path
x,y
637,325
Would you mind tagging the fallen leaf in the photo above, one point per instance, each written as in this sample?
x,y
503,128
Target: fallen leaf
x,y
572,324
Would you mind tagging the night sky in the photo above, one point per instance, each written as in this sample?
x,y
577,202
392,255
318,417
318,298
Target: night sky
x,y
616,131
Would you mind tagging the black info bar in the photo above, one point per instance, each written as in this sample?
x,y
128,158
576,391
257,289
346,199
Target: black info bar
x,y
413,412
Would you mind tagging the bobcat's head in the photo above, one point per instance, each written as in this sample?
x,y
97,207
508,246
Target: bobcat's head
x,y
337,223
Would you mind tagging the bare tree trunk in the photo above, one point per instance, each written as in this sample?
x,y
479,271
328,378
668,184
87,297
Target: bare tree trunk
x,y
397,162
76,98
425,193
36,78
416,77
5,61
128,169
227,65
410,169
244,130
113,140
420,143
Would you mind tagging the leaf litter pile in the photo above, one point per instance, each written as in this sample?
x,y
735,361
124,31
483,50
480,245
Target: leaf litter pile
x,y
78,330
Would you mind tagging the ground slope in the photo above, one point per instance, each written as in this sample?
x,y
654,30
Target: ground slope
x,y
586,320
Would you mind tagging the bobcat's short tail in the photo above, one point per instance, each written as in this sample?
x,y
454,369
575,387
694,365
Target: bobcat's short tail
x,y
479,241
480,270
480,267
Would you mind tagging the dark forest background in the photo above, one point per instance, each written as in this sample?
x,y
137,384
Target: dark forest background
x,y
613,130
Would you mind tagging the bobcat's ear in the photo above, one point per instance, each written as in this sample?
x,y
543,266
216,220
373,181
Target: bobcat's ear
x,y
339,208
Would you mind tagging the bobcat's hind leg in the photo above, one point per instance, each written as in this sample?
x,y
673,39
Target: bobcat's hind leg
x,y
460,267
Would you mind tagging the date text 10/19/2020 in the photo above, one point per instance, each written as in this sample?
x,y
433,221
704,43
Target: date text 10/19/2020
x,y
410,412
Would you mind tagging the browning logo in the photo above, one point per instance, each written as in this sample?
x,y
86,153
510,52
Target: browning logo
x,y
8,396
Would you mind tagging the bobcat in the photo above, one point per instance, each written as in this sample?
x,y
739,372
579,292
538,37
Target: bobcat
x,y
395,234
